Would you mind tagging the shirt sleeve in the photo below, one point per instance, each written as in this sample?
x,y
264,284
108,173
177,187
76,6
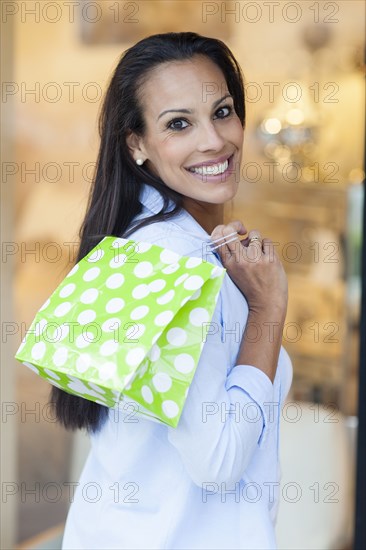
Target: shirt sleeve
x,y
286,371
224,417
287,375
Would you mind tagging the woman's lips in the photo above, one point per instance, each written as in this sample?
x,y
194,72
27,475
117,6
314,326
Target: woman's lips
x,y
211,177
219,160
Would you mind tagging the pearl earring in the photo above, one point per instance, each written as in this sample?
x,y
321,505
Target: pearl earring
x,y
140,162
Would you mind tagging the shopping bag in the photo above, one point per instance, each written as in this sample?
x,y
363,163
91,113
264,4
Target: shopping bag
x,y
126,325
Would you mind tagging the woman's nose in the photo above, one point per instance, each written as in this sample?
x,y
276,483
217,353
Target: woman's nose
x,y
209,138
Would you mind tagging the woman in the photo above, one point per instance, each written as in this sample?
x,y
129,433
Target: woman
x,y
172,128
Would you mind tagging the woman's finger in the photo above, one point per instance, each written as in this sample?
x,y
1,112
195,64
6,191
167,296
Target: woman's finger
x,y
254,246
239,226
268,248
225,238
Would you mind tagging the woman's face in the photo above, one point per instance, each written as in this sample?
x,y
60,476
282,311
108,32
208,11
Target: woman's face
x,y
193,139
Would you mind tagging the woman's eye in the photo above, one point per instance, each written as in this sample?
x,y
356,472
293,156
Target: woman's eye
x,y
178,124
224,111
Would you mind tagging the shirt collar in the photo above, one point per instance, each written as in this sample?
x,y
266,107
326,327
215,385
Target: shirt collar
x,y
153,201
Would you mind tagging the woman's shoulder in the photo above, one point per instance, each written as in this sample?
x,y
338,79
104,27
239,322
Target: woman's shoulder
x,y
169,234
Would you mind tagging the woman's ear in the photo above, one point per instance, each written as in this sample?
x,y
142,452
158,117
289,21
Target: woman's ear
x,y
135,146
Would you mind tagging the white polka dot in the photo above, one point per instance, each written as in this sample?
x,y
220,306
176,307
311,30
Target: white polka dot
x,y
46,304
91,274
67,290
73,270
118,261
143,269
59,358
154,353
131,248
163,318
112,324
157,285
83,362
196,295
135,331
129,379
139,312
170,408
114,305
52,374
96,388
115,281
107,370
89,296
40,326
165,298
140,291
108,348
143,368
83,340
216,272
147,394
143,247
193,282
168,256
176,336
135,356
56,334
181,279
38,350
155,338
171,268
184,363
62,309
117,243
162,382
198,316
96,255
31,367
184,301
193,262
61,332
77,386
86,316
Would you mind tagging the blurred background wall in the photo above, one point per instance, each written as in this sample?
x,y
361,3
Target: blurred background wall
x,y
301,185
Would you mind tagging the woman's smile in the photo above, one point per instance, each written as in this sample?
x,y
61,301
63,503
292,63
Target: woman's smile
x,y
213,171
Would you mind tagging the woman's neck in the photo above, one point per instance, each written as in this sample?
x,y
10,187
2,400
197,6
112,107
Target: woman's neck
x,y
207,215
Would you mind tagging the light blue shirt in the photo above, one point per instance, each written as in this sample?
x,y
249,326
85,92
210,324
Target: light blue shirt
x,y
210,483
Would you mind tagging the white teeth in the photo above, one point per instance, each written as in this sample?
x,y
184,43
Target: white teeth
x,y
212,170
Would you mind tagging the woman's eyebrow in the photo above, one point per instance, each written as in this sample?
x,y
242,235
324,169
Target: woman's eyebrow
x,y
189,111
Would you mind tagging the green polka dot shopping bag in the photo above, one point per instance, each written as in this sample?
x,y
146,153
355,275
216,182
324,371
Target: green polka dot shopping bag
x,y
126,325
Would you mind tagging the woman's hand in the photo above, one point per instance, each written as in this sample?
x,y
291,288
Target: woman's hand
x,y
254,267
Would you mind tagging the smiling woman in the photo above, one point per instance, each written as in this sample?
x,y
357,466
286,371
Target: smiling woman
x,y
171,129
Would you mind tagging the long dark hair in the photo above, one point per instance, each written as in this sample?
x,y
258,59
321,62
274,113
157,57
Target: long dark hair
x,y
114,195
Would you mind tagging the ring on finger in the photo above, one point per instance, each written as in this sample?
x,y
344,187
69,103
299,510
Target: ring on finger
x,y
255,238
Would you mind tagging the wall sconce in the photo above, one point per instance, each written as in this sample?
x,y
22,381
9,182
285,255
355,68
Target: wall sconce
x,y
289,129
289,132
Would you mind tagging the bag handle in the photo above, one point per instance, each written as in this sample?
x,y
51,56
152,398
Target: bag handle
x,y
213,244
